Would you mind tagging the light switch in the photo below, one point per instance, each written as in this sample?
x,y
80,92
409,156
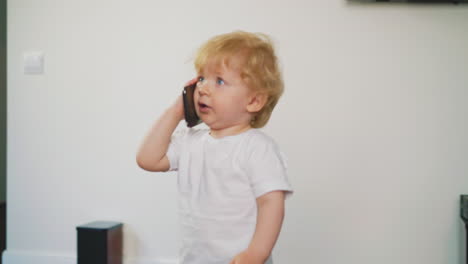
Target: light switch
x,y
33,62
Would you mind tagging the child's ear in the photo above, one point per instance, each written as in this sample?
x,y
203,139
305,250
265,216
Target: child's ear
x,y
256,102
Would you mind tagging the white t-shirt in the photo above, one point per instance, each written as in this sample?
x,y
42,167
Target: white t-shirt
x,y
218,183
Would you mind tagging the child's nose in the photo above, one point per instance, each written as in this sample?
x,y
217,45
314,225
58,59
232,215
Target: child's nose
x,y
203,88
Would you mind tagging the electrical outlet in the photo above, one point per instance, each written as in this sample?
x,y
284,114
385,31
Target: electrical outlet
x,y
33,62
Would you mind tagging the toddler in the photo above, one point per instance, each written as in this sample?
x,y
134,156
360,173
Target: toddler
x,y
232,180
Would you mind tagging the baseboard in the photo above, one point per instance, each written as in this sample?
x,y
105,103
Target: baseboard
x,y
27,257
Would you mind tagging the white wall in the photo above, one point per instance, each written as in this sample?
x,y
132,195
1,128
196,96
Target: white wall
x,y
374,122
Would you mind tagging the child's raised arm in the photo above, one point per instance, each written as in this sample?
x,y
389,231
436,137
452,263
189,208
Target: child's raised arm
x,y
152,153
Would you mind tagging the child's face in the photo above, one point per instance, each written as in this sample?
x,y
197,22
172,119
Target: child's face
x,y
221,96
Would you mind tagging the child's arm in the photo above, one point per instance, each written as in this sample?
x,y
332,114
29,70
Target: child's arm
x,y
270,217
152,153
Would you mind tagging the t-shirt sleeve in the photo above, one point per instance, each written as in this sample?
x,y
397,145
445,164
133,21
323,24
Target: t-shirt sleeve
x,y
175,148
267,169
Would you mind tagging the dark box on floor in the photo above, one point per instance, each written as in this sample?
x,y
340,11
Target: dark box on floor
x,y
100,242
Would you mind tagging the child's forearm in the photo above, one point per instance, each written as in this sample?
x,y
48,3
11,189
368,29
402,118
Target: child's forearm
x,y
156,142
269,220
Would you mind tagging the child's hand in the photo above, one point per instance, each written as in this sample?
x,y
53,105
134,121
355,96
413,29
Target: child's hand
x,y
194,80
178,106
247,257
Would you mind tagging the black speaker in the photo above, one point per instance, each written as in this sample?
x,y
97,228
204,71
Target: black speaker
x,y
464,207
464,216
100,242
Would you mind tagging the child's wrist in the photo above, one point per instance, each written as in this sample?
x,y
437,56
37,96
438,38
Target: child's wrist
x,y
179,115
175,113
177,109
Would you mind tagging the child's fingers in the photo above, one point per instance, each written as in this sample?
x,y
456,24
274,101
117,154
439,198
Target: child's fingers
x,y
194,80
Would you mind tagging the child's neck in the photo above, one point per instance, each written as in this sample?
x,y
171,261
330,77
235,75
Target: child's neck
x,y
229,131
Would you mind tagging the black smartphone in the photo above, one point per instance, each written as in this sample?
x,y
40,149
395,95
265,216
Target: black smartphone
x,y
190,114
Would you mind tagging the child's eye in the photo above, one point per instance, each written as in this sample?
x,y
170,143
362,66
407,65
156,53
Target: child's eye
x,y
201,79
220,81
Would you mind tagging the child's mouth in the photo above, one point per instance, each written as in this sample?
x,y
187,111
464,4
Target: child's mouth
x,y
203,107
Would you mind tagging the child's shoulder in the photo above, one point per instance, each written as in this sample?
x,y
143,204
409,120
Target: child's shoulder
x,y
259,135
262,147
258,138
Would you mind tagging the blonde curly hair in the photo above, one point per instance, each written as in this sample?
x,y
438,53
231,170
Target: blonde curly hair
x,y
259,67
